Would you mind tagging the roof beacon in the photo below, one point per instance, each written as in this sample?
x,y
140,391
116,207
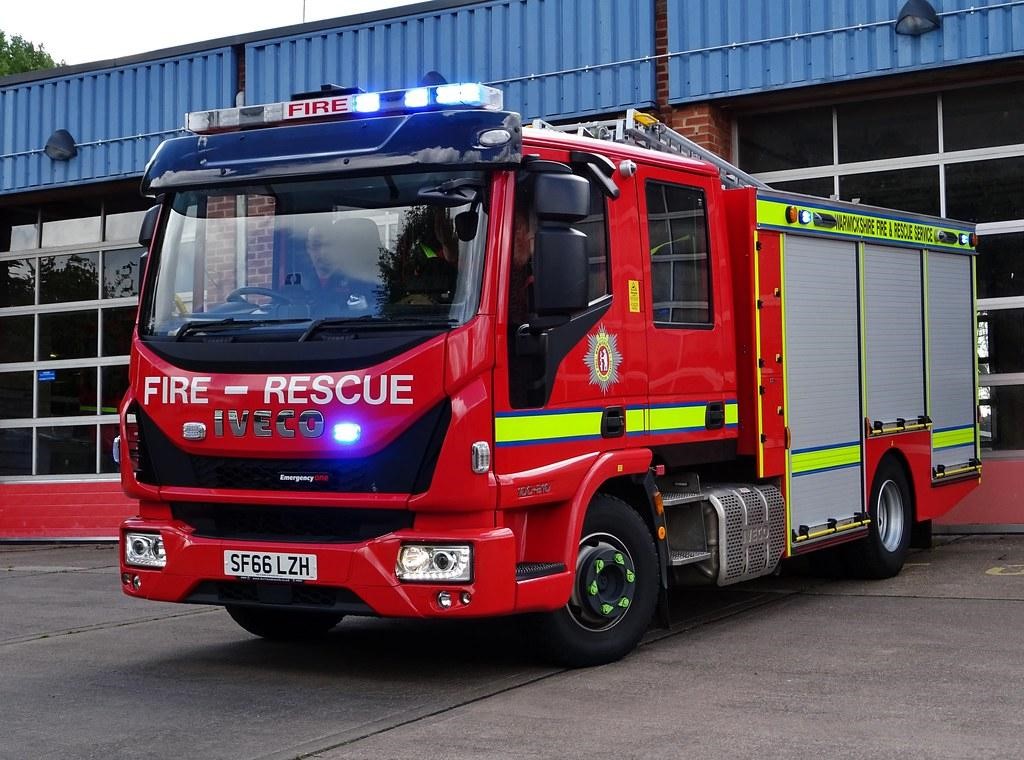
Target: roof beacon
x,y
349,105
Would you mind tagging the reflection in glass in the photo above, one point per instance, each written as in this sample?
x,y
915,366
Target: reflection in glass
x,y
121,270
1004,340
913,190
16,339
68,335
1002,417
71,277
15,451
15,395
985,191
867,131
17,282
124,226
677,227
66,392
980,117
117,330
771,142
823,187
107,434
114,383
71,231
1001,266
18,229
66,450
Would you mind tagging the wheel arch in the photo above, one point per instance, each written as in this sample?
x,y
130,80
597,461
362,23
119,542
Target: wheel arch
x,y
899,457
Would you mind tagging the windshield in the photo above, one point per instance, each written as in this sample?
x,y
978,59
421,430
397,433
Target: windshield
x,y
290,258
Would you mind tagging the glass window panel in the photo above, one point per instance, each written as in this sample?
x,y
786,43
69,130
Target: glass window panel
x,y
679,265
71,277
61,232
1002,417
874,129
117,330
107,434
66,450
16,339
914,190
1004,340
15,451
823,187
1001,265
17,282
68,335
772,142
597,244
980,117
124,226
18,229
985,191
66,392
121,271
15,395
114,383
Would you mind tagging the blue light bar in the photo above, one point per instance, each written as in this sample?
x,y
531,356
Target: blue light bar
x,y
368,102
347,432
417,98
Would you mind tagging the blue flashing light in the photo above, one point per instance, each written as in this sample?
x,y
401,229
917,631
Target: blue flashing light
x,y
805,217
368,102
417,98
461,94
347,432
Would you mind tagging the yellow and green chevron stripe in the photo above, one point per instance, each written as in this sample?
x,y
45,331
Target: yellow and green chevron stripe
x,y
817,459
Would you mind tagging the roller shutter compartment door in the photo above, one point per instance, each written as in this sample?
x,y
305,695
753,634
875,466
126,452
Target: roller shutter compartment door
x,y
951,350
894,334
822,359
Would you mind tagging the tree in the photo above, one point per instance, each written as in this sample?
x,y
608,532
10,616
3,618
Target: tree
x,y
18,55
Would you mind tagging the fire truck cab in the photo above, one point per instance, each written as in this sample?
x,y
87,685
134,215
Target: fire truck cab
x,y
397,355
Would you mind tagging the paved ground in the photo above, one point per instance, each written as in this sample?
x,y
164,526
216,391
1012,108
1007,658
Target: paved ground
x,y
928,665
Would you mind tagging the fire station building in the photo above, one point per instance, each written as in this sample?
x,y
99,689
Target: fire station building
x,y
912,105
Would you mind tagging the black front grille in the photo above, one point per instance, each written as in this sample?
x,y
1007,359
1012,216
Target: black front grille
x,y
291,595
310,524
277,474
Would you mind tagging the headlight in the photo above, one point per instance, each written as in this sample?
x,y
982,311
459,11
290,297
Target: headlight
x,y
422,562
144,550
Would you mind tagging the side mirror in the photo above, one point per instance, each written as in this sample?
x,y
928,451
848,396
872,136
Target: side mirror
x,y
561,197
560,271
148,226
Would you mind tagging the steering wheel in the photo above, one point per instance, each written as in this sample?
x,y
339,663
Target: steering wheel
x,y
236,295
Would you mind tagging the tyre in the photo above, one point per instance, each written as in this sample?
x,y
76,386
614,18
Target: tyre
x,y
883,551
283,625
614,594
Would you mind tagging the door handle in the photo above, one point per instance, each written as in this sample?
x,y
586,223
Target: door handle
x,y
613,422
714,416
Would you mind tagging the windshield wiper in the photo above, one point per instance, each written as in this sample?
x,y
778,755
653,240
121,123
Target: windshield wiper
x,y
373,322
201,325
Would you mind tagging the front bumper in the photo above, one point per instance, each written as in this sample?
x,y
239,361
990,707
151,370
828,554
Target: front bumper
x,y
363,574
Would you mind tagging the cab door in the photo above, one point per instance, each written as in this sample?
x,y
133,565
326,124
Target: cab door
x,y
692,409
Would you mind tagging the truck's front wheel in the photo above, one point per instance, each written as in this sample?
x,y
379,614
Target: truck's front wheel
x,y
283,625
614,592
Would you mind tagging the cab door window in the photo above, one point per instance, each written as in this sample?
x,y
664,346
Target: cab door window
x,y
680,262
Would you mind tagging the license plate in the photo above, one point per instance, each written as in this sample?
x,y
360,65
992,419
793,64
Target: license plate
x,y
276,565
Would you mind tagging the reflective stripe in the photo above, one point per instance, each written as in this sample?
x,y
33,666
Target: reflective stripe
x,y
520,428
547,427
823,458
951,437
835,221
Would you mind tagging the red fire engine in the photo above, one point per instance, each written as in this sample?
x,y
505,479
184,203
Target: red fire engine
x,y
398,356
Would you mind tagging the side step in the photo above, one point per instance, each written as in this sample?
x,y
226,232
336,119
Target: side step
x,y
680,558
526,571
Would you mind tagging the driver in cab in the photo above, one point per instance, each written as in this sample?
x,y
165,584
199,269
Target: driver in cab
x,y
345,257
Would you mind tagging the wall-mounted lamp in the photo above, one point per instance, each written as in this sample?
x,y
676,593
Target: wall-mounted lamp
x,y
917,17
61,146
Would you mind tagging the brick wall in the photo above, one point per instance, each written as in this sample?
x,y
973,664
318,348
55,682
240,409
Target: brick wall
x,y
704,123
221,247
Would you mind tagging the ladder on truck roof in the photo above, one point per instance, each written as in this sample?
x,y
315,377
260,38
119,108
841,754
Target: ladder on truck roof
x,y
643,130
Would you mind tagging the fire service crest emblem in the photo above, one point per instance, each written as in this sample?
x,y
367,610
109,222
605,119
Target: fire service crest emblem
x,y
603,359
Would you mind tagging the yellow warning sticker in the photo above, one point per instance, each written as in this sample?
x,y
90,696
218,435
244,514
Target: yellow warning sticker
x,y
634,296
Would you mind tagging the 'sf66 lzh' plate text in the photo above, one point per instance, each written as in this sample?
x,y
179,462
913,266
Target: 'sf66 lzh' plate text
x,y
291,567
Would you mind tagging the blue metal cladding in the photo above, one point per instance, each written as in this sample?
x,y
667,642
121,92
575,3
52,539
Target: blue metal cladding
x,y
117,116
731,47
536,51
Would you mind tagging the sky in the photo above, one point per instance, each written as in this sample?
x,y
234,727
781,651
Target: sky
x,y
83,31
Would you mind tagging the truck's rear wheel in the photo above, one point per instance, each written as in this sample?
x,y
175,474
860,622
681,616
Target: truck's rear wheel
x,y
283,625
883,551
614,592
